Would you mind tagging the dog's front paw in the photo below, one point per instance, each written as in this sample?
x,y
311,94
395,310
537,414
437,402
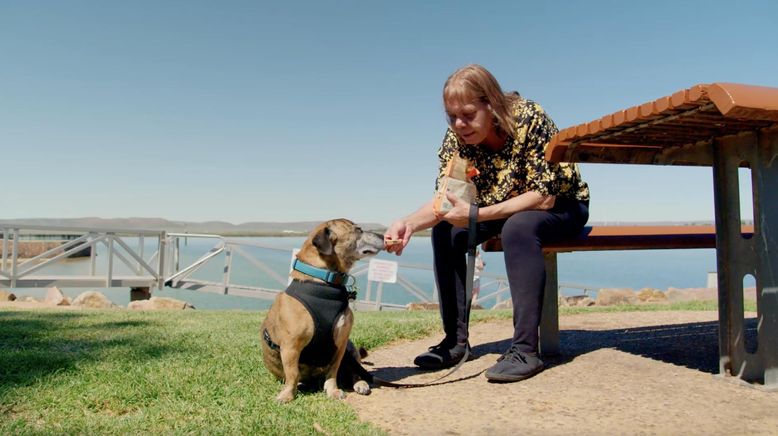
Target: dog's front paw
x,y
361,387
285,396
336,394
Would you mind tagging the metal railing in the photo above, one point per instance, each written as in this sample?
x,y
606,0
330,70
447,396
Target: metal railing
x,y
230,266
125,265
227,251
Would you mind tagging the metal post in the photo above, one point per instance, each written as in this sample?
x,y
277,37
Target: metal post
x,y
5,249
109,273
161,278
92,255
379,295
177,255
227,268
14,257
368,291
140,252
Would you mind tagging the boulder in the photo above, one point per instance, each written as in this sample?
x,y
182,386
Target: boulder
x,y
422,306
505,304
159,303
28,299
55,297
615,296
6,295
94,300
692,294
576,301
649,295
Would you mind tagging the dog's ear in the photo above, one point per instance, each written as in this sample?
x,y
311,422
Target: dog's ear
x,y
322,242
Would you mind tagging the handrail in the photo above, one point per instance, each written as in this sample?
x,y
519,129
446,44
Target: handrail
x,y
28,272
136,266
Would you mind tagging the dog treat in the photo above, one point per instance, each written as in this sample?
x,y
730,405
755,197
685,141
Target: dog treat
x,y
393,241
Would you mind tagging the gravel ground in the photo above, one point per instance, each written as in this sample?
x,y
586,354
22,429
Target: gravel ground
x,y
625,373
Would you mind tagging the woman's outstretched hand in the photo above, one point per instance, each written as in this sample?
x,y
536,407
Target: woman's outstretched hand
x,y
397,237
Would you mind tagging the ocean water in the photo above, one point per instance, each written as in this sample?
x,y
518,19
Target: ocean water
x,y
659,269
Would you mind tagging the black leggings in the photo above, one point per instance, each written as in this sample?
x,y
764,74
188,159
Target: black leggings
x,y
523,235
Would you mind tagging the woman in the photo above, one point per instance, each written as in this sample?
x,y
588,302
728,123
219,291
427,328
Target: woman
x,y
520,195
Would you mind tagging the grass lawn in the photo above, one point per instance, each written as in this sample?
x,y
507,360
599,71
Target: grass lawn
x,y
119,371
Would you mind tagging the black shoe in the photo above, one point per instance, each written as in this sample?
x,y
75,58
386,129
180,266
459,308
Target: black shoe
x,y
515,365
443,355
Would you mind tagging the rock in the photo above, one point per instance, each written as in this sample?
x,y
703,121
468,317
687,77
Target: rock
x,y
505,304
649,295
7,296
692,294
159,303
422,306
615,296
28,299
55,297
94,300
576,301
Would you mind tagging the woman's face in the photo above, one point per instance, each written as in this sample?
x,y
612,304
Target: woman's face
x,y
472,120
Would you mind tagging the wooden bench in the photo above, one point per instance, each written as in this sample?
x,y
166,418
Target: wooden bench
x,y
604,238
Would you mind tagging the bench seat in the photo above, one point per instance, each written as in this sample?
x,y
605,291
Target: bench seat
x,y
604,238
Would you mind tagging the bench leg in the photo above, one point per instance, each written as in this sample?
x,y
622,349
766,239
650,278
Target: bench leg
x,y
549,317
737,256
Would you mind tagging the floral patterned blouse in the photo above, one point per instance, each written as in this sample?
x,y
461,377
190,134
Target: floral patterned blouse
x,y
520,166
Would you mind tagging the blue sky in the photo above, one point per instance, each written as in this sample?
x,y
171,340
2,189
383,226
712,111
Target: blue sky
x,y
293,111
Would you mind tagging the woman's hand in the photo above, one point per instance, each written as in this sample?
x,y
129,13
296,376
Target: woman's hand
x,y
397,236
459,215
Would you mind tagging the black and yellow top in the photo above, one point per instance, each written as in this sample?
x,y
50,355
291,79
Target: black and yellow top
x,y
520,165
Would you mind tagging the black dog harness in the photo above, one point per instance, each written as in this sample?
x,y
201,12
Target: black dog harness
x,y
325,303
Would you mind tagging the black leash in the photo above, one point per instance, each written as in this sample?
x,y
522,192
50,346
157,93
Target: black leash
x,y
471,245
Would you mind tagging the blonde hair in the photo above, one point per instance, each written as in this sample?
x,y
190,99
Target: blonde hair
x,y
474,82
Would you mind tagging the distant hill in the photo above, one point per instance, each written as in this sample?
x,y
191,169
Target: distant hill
x,y
257,228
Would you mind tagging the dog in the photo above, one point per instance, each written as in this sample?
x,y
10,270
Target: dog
x,y
306,332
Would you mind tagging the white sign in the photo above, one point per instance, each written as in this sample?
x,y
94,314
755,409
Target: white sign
x,y
382,271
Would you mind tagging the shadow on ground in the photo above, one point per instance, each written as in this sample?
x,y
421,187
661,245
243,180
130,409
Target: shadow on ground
x,y
692,345
36,344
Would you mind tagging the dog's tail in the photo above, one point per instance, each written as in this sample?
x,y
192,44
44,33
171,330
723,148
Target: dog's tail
x,y
350,361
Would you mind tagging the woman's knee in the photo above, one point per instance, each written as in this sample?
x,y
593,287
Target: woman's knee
x,y
522,229
441,232
450,237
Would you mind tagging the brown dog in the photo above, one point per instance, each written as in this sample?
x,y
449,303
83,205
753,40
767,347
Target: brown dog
x,y
305,334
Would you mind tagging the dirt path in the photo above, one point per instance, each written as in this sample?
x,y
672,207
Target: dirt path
x,y
627,373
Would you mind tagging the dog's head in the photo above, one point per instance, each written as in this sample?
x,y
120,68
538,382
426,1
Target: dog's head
x,y
338,244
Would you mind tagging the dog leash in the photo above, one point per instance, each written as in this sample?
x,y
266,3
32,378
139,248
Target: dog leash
x,y
471,245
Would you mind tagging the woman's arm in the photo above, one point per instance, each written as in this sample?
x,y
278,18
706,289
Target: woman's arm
x,y
459,215
403,228
527,201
